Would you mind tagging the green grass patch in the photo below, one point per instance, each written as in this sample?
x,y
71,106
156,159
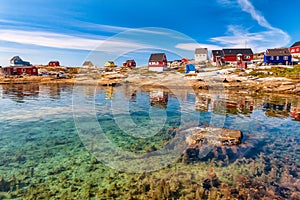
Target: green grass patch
x,y
293,73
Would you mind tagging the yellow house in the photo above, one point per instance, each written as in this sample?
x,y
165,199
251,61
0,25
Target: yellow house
x,y
109,64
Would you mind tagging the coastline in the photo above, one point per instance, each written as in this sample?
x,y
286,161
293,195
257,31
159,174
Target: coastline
x,y
172,79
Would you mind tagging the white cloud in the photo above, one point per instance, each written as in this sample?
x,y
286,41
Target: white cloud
x,y
227,3
193,46
28,115
249,8
63,41
239,37
114,29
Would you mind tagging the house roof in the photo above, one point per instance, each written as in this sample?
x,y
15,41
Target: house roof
x,y
18,60
217,52
278,52
296,44
15,58
87,63
237,51
201,51
157,56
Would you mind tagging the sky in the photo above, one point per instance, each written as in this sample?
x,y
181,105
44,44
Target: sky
x,y
73,31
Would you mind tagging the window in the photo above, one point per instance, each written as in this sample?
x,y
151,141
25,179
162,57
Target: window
x,y
247,57
277,57
272,58
285,58
23,70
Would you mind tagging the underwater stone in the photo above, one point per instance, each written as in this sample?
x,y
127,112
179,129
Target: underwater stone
x,y
4,185
214,136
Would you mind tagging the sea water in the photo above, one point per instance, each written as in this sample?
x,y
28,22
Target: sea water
x,y
64,142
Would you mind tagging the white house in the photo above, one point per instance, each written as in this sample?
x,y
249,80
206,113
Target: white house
x,y
201,55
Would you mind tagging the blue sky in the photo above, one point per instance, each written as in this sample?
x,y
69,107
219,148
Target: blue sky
x,y
72,31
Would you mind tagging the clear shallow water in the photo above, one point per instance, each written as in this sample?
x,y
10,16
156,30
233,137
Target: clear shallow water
x,y
42,155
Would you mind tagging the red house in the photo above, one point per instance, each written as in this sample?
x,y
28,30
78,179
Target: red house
x,y
53,63
19,70
233,55
157,62
217,56
129,63
295,49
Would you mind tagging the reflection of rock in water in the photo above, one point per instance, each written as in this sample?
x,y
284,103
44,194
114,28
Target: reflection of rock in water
x,y
159,99
18,92
218,143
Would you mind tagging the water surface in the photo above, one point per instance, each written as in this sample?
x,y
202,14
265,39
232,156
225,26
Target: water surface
x,y
43,156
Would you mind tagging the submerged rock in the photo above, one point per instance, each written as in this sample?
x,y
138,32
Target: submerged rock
x,y
209,142
4,185
214,136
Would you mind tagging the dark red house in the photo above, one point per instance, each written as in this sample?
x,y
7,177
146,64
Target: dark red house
x,y
54,63
217,55
295,49
233,55
157,62
129,63
19,70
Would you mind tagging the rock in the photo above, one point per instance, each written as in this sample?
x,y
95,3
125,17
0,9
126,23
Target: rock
x,y
225,81
4,185
297,89
214,136
284,88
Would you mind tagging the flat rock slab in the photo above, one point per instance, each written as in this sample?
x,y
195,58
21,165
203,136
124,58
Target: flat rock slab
x,y
214,136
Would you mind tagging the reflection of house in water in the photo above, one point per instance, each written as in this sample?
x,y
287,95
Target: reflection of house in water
x,y
89,92
133,96
130,92
159,98
241,105
19,92
277,109
202,102
109,92
55,91
295,111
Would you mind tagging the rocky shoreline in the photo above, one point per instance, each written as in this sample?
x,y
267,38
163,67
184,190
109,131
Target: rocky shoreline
x,y
172,80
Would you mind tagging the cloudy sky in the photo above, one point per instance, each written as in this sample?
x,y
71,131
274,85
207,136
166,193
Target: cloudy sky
x,y
72,31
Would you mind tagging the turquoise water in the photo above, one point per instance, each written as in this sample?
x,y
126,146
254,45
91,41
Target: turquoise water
x,y
44,153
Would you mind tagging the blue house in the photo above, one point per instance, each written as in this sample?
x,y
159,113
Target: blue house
x,y
190,68
278,56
